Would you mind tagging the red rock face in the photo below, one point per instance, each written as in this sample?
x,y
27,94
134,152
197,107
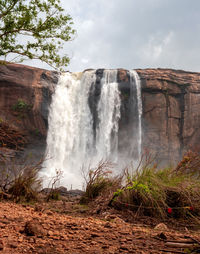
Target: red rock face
x,y
171,117
171,98
33,88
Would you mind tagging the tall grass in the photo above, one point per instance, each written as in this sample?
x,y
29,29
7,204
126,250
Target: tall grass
x,y
149,190
20,182
99,181
160,192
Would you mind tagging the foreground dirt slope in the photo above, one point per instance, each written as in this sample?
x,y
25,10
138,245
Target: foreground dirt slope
x,y
25,229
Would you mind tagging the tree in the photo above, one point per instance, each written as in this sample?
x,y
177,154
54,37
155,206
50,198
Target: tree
x,y
40,24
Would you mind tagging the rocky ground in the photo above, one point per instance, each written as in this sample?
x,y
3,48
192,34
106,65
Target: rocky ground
x,y
45,228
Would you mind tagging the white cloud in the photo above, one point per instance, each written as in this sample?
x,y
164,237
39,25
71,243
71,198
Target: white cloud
x,y
84,60
134,34
156,47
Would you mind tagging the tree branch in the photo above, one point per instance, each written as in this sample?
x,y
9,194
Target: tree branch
x,y
35,57
9,9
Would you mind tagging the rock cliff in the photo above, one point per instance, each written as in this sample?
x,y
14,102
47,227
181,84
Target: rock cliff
x,y
171,115
171,98
25,96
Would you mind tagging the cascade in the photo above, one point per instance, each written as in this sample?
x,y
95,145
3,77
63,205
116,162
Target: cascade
x,y
85,125
108,114
135,81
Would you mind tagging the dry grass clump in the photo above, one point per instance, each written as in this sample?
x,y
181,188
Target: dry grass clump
x,y
190,163
161,192
22,183
54,193
99,181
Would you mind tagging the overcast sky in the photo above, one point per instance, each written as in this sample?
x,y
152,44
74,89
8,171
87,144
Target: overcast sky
x,y
134,34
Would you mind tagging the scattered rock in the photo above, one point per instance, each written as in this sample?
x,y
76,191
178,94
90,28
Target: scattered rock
x,y
34,228
39,208
20,239
110,216
49,213
95,235
118,220
161,226
1,245
162,236
61,233
13,245
50,233
108,225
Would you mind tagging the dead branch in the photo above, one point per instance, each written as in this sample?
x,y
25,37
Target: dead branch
x,y
11,138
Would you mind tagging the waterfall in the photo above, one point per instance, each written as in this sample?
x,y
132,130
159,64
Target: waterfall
x,y
70,130
109,114
84,125
135,81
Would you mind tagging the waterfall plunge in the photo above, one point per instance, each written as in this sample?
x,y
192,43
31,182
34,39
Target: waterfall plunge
x,y
83,129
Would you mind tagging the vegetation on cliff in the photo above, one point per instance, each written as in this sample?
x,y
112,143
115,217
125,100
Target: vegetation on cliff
x,y
34,29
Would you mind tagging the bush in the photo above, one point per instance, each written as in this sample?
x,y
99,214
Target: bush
x,y
21,106
99,181
160,192
21,183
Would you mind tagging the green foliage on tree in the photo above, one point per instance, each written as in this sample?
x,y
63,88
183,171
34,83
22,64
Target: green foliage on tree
x,y
34,29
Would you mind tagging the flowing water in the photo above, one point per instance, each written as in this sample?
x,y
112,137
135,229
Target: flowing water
x,y
135,81
85,118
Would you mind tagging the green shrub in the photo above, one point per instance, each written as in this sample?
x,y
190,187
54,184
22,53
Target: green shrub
x,y
21,106
151,191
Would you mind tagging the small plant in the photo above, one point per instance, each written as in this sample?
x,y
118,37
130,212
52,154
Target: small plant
x,y
99,181
53,193
37,132
21,106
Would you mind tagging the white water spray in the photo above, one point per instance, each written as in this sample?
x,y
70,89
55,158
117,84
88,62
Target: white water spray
x,y
80,134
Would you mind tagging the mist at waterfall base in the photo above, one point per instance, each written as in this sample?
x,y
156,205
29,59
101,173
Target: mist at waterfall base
x,y
93,117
